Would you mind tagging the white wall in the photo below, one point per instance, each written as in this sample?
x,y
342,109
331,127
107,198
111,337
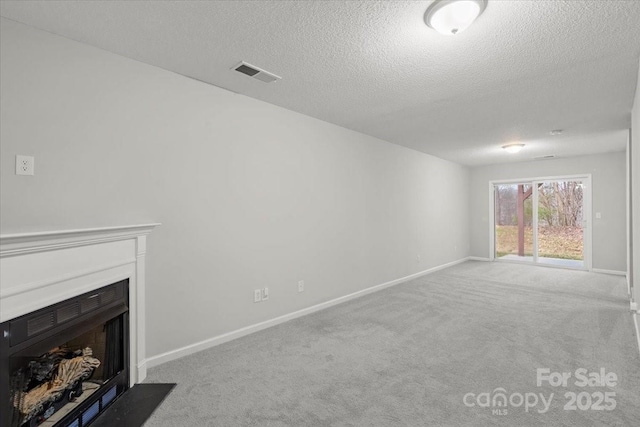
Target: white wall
x,y
249,194
609,194
635,190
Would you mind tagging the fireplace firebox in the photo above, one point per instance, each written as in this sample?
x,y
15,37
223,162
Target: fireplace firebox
x,y
66,363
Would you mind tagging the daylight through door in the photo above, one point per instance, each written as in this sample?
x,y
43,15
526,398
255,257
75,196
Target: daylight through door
x,y
541,222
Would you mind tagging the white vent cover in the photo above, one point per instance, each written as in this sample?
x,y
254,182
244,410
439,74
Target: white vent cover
x,y
256,73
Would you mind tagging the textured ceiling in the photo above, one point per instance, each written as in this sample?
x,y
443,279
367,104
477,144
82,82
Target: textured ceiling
x,y
523,69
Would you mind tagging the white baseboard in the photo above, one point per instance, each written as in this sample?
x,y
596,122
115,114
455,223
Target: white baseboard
x,y
229,336
478,258
635,321
613,272
142,372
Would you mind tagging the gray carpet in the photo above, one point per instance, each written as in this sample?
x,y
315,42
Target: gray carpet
x,y
406,356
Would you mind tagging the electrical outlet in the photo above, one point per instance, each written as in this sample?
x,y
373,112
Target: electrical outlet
x,y
265,294
24,165
301,286
257,295
418,258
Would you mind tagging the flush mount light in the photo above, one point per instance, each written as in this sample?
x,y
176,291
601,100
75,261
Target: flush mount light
x,y
452,17
513,148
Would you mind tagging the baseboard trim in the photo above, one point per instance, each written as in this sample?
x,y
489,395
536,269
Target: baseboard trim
x,y
229,336
142,372
612,272
635,322
478,258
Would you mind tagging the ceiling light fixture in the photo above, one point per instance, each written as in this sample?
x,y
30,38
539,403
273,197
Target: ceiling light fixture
x,y
513,148
452,17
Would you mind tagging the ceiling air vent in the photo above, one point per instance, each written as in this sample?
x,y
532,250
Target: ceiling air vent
x,y
550,156
256,73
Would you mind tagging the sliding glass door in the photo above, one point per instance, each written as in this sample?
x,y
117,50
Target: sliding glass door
x,y
560,227
541,221
514,221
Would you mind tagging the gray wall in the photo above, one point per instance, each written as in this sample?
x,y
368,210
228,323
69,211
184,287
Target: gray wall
x,y
609,193
249,194
635,188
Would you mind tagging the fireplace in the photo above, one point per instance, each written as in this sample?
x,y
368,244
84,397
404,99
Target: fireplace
x,y
72,321
67,362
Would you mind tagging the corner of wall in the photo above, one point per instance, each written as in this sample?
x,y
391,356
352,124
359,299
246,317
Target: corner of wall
x,y
633,176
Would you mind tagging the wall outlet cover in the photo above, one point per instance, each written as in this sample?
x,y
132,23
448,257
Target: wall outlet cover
x,y
25,165
257,295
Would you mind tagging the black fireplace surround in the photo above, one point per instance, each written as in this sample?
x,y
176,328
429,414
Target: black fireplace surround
x,y
63,365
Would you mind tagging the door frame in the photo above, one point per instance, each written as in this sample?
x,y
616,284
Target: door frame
x,y
587,236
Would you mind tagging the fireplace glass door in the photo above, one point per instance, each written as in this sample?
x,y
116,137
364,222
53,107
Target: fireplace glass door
x,y
68,362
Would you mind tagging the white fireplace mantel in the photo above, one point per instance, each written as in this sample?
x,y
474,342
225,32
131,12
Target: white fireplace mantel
x,y
42,268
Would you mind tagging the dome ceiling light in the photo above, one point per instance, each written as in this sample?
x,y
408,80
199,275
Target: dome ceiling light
x,y
452,17
513,148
